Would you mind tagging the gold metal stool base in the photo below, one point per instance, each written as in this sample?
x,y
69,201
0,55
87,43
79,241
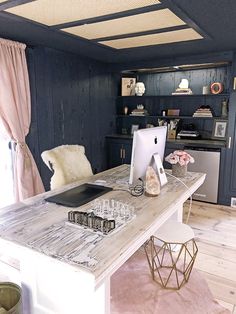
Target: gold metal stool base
x,y
170,268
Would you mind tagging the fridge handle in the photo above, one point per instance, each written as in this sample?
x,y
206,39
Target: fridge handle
x,y
229,142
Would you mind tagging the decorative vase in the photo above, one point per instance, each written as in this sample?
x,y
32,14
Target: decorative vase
x,y
126,109
179,171
224,110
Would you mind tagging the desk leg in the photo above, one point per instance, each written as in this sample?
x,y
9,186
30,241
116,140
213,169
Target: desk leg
x,y
178,215
52,287
102,297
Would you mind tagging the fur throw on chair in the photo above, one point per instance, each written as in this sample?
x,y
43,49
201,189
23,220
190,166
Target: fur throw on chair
x,y
69,164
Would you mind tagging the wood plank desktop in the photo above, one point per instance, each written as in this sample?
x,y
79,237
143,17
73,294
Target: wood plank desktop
x,y
57,276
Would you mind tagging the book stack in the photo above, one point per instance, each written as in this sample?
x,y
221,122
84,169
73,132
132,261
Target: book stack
x,y
203,111
183,91
139,112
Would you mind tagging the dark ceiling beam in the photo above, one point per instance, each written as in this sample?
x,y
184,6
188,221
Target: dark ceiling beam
x,y
153,31
84,39
12,3
113,16
182,14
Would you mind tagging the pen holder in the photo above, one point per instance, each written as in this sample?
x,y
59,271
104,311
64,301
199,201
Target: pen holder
x,y
171,134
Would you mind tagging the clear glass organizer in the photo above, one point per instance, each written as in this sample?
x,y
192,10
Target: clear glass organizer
x,y
105,216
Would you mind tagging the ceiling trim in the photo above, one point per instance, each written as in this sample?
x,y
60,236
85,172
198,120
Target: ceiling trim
x,y
153,31
59,31
13,3
165,4
170,38
191,11
20,19
41,35
183,15
112,16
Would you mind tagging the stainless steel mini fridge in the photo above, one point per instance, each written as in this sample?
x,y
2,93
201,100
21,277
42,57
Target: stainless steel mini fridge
x,y
207,161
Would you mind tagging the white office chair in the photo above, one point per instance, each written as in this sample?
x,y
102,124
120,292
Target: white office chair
x,y
69,164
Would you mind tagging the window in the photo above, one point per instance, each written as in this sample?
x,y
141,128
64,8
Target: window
x,y
6,173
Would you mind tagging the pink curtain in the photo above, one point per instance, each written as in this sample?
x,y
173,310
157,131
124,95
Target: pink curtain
x,y
15,115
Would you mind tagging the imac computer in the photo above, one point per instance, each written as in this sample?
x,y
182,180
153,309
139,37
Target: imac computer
x,y
147,144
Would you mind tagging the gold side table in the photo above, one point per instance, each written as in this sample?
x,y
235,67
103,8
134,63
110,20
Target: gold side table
x,y
171,254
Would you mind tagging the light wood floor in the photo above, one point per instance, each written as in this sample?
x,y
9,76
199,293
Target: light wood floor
x,y
215,231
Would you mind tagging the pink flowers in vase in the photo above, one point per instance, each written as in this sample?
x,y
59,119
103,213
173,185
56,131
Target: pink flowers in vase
x,y
179,156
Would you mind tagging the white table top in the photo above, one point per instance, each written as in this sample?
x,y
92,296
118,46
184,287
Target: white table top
x,y
40,226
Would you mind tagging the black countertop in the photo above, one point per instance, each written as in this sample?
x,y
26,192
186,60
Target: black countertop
x,y
175,142
198,143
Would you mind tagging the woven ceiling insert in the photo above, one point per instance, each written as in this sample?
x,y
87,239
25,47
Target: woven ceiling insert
x,y
154,39
130,24
52,12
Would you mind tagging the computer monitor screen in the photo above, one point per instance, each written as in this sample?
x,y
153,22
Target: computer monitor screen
x,y
146,143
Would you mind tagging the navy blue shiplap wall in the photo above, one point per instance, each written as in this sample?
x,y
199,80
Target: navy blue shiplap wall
x,y
166,83
73,102
159,84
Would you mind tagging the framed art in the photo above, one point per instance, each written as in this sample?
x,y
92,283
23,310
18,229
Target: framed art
x,y
127,86
219,129
134,127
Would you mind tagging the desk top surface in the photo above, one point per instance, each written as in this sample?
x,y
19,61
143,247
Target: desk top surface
x,y
41,226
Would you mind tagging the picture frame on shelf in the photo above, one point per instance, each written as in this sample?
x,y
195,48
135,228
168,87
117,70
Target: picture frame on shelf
x,y
134,127
219,131
127,86
173,112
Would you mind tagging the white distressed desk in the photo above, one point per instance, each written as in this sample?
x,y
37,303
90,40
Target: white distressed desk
x,y
67,271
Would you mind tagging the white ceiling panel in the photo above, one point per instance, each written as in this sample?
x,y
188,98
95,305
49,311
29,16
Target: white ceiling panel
x,y
154,39
52,12
130,24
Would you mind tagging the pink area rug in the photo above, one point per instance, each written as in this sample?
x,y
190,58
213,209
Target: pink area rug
x,y
134,292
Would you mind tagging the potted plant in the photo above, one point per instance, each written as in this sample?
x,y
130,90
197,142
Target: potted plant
x,y
179,160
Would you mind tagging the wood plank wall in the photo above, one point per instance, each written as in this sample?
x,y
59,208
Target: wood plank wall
x,y
166,83
73,102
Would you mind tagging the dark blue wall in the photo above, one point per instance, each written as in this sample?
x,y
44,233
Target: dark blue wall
x,y
73,102
166,83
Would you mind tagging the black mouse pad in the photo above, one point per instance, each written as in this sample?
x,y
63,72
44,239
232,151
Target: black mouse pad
x,y
79,195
